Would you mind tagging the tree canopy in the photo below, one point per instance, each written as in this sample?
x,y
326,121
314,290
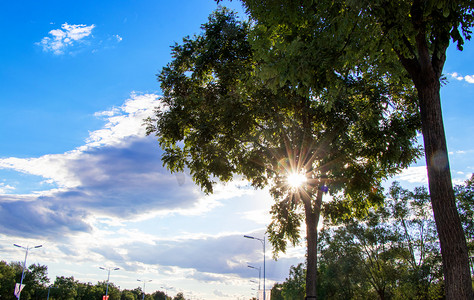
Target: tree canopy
x,y
383,37
221,119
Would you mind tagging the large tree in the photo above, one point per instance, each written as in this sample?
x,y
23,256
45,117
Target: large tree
x,y
417,33
220,119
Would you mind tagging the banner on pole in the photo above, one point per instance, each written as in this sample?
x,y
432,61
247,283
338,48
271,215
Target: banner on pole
x,y
105,297
18,289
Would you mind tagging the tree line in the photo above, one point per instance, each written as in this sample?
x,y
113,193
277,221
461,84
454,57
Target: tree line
x,y
391,253
38,287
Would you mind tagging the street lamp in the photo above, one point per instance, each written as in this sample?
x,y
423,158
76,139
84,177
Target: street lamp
x,y
144,282
166,289
259,273
24,264
263,244
108,277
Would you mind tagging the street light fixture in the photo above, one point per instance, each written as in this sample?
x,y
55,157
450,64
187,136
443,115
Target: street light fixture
x,y
144,282
108,277
263,244
24,264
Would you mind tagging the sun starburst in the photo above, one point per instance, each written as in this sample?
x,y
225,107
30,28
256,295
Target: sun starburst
x,y
296,180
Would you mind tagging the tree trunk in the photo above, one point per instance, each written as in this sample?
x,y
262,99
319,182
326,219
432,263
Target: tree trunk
x,y
451,235
312,214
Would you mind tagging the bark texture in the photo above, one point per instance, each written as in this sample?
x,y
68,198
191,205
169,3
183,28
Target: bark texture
x,y
451,235
312,213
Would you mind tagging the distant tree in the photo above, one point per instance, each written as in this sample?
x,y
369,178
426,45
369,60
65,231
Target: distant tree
x,y
179,296
36,281
465,205
129,295
341,275
392,253
421,257
7,280
65,288
137,292
294,285
276,292
114,292
159,295
88,290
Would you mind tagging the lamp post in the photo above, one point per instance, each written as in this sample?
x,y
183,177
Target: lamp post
x,y
263,244
24,264
259,273
49,288
144,282
166,290
108,277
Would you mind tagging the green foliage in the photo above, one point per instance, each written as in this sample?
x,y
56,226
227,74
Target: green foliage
x,y
128,295
391,253
465,204
220,120
276,292
35,280
159,295
65,288
308,44
294,286
179,296
7,280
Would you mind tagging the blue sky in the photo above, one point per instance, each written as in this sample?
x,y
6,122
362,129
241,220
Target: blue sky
x,y
78,174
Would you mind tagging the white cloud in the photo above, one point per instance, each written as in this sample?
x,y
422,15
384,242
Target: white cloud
x,y
67,36
124,121
5,188
414,175
50,167
456,76
467,78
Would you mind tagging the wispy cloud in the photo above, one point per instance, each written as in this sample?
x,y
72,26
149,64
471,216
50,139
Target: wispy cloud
x,y
467,78
66,37
416,175
5,188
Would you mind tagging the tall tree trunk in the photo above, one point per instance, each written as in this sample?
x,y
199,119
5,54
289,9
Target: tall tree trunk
x,y
312,214
451,235
425,70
